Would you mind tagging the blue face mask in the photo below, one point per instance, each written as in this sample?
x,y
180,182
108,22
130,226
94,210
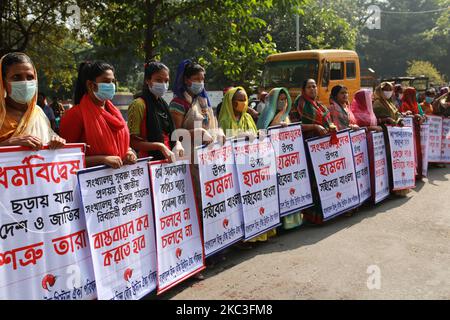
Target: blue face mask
x,y
429,99
159,89
106,91
23,91
197,87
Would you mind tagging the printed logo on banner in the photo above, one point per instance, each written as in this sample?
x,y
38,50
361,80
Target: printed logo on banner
x,y
256,168
361,156
292,169
424,143
334,170
401,142
118,209
435,145
379,169
223,222
178,240
44,252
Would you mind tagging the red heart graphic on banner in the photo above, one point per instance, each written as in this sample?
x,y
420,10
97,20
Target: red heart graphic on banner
x,y
292,191
225,223
261,211
403,174
338,195
178,253
48,281
128,274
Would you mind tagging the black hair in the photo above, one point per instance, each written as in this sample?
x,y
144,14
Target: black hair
x,y
13,58
88,71
336,89
42,95
150,69
153,67
305,83
192,68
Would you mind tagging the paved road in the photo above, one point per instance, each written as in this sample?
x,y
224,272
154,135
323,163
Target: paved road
x,y
405,240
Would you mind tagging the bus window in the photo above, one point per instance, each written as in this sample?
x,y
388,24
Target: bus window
x,y
289,74
337,71
351,70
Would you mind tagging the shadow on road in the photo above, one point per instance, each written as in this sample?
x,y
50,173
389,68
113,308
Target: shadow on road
x,y
305,235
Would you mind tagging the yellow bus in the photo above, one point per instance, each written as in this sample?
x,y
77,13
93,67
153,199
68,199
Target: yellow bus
x,y
327,67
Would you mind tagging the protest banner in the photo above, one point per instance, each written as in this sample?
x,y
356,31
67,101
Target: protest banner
x,y
378,167
445,143
223,221
292,169
401,146
179,245
362,168
118,210
256,168
44,251
424,143
334,171
435,145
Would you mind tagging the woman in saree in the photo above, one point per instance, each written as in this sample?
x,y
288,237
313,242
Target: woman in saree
x,y
94,119
276,113
411,107
236,122
316,121
341,114
22,122
387,114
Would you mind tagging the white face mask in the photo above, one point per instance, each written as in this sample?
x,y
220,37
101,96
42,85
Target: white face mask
x,y
387,94
400,96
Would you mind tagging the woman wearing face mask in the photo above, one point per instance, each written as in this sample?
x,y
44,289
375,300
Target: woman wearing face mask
x,y
341,115
315,117
190,107
94,120
149,120
275,113
398,95
383,107
22,122
427,105
236,122
233,117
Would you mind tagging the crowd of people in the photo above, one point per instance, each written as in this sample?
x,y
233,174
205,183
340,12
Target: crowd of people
x,y
27,120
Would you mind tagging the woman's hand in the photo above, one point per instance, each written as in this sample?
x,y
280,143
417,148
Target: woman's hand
x,y
130,157
169,155
25,141
354,127
113,161
283,124
321,131
178,150
206,137
56,142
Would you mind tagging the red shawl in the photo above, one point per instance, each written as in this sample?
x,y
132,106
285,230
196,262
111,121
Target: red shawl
x,y
105,130
409,101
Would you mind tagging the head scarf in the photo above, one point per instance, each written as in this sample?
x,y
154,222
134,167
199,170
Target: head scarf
x,y
180,89
270,113
34,121
362,109
383,106
227,119
409,102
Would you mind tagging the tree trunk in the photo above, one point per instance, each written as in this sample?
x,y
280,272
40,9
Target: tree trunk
x,y
151,8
